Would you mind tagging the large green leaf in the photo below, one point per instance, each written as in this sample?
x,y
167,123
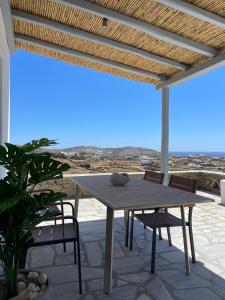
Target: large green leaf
x,y
43,168
20,209
11,156
37,144
10,196
43,199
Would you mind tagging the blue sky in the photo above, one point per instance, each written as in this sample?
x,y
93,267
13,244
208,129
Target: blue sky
x,y
78,106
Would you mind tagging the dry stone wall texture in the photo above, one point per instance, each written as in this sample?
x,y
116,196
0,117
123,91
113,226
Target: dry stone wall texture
x,y
206,182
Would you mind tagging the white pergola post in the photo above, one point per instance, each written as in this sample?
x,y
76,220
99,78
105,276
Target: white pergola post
x,y
4,83
165,133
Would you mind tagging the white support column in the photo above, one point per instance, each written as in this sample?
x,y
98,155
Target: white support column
x,y
165,133
4,87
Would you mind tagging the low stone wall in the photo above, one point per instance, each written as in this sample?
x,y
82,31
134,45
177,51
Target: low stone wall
x,y
63,185
207,181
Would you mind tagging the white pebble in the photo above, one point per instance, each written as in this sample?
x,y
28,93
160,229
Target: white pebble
x,y
20,286
42,278
32,287
32,275
33,295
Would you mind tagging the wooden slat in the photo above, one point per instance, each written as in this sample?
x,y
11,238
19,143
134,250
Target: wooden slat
x,y
182,183
35,234
69,231
53,233
159,220
153,176
45,234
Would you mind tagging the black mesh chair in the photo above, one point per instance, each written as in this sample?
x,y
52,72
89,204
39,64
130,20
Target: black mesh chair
x,y
163,219
155,177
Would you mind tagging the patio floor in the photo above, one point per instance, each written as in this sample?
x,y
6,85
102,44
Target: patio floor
x,y
131,270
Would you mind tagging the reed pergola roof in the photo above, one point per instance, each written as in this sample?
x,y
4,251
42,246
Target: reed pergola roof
x,y
162,42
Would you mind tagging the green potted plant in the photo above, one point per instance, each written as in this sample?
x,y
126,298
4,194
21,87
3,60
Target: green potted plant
x,y
20,207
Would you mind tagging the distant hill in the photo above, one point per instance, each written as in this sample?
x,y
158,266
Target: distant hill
x,y
123,151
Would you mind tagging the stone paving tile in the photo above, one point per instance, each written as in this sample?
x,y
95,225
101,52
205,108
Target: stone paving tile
x,y
97,284
94,254
179,280
157,289
136,278
64,260
197,294
127,265
119,293
68,291
42,256
174,256
61,274
132,279
60,251
144,297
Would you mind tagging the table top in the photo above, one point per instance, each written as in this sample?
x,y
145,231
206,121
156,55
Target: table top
x,y
136,194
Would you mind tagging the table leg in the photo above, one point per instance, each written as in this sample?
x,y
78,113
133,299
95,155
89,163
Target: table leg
x,y
187,263
77,198
127,224
108,251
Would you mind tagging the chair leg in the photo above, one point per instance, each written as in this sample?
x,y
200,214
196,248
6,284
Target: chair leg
x,y
160,234
64,246
127,224
143,213
62,210
153,251
77,243
79,266
169,236
75,252
191,234
184,225
131,231
159,229
168,231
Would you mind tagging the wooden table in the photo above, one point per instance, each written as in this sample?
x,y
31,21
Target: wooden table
x,y
137,194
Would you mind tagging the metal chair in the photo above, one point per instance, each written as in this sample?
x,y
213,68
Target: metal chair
x,y
164,219
59,234
149,176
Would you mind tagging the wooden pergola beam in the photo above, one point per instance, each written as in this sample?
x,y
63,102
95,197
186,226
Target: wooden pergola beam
x,y
207,66
195,11
152,30
48,46
33,19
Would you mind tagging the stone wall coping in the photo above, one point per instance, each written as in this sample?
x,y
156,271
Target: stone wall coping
x,y
96,174
199,171
140,173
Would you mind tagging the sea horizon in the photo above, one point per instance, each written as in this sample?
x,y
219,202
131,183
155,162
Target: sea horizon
x,y
197,153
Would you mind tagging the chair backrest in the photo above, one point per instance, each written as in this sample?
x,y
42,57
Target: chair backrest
x,y
182,183
154,176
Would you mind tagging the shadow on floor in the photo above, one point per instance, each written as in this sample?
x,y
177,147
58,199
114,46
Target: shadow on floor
x,y
131,270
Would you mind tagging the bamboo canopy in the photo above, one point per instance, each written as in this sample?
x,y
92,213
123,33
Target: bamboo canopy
x,y
64,30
